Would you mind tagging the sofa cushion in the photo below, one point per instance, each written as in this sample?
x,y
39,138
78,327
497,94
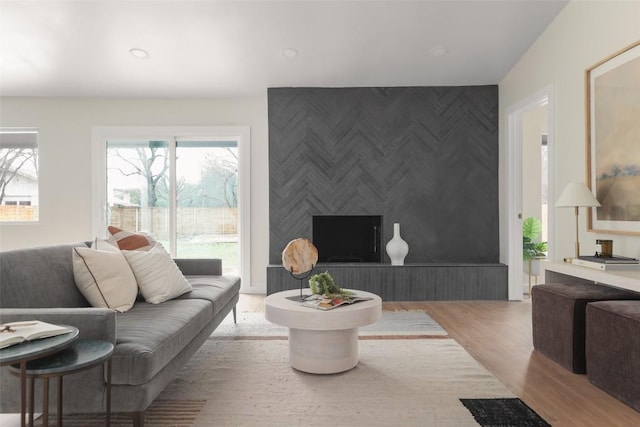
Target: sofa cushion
x,y
158,276
104,278
219,290
150,335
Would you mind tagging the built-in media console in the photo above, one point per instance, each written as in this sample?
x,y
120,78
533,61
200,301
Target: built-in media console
x,y
409,282
351,249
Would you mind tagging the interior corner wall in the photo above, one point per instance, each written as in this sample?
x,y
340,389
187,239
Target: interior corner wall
x,y
583,34
424,157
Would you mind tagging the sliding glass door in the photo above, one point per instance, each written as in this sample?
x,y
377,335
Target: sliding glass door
x,y
184,190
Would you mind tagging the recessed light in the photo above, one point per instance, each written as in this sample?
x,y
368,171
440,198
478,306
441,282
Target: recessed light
x,y
139,53
438,51
290,52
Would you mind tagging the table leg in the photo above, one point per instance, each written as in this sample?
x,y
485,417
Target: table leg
x,y
45,402
109,392
59,418
31,399
23,393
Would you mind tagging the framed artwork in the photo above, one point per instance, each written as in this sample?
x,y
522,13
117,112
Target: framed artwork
x,y
613,142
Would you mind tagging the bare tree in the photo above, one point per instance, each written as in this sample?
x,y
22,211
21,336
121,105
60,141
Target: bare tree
x,y
145,165
227,166
11,161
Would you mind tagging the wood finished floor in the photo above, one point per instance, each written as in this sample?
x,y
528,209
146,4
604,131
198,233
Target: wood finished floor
x,y
498,335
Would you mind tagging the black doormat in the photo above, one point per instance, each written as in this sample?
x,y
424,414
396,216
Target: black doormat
x,y
511,412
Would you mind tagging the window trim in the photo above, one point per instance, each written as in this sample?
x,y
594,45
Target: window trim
x,y
28,142
242,134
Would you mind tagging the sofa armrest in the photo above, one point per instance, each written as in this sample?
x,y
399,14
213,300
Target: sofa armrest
x,y
200,266
93,323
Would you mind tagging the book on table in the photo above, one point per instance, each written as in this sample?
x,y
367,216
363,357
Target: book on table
x,y
327,302
610,263
18,332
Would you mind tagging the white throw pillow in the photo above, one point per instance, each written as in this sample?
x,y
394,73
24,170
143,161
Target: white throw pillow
x,y
158,276
104,245
104,278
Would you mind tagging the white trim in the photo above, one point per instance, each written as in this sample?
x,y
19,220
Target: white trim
x,y
513,168
101,134
244,208
173,203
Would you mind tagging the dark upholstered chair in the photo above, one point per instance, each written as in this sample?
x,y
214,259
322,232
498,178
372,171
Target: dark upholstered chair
x,y
558,319
613,349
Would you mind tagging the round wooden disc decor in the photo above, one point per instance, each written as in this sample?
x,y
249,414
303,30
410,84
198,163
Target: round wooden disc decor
x,y
299,256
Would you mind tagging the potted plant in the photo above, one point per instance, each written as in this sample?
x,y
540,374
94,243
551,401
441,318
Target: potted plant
x,y
323,284
532,250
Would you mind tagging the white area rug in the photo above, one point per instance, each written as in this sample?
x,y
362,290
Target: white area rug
x,y
393,323
410,373
399,382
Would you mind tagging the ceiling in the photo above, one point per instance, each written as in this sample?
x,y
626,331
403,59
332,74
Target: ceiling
x,y
216,48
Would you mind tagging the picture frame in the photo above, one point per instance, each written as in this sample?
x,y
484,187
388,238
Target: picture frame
x,y
613,142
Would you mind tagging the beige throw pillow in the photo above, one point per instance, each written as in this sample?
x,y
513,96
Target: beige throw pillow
x,y
158,276
104,278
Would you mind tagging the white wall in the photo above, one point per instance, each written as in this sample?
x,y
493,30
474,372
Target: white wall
x,y
64,145
584,33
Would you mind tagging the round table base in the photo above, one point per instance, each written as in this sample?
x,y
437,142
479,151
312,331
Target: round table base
x,y
323,352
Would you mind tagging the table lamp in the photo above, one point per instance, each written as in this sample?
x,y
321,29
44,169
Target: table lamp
x,y
576,194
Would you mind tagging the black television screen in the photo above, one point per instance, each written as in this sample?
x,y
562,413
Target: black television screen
x,y
348,238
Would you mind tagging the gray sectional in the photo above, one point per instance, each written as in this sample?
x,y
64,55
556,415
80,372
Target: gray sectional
x,y
152,341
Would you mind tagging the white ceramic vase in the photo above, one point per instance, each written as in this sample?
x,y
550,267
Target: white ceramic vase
x,y
397,249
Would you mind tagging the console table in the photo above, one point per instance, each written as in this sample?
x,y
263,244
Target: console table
x,y
564,272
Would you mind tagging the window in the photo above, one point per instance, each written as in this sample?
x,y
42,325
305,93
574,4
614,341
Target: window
x,y
18,175
187,191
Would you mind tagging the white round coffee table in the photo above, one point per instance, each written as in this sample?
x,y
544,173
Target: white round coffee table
x,y
322,342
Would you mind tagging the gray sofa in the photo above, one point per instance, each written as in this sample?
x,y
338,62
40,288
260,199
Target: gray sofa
x,y
152,341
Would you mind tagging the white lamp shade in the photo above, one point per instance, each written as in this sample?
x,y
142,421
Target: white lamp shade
x,y
576,194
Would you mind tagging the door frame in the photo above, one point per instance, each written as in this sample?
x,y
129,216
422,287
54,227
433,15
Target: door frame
x,y
513,185
242,134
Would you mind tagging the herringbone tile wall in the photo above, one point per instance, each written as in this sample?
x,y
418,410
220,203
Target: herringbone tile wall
x,y
425,157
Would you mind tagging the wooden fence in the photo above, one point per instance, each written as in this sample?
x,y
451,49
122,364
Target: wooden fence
x,y
18,213
190,221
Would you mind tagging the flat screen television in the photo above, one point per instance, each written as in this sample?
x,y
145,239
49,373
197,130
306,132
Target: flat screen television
x,y
348,238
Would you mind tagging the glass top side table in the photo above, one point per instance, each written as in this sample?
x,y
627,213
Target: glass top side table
x,y
81,355
29,350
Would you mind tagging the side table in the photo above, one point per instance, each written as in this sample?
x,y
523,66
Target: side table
x,y
81,355
21,354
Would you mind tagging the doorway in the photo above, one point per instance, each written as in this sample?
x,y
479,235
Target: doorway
x,y
529,184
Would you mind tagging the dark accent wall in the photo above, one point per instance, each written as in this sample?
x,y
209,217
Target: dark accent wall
x,y
425,157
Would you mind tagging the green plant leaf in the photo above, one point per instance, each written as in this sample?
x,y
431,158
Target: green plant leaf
x,y
531,227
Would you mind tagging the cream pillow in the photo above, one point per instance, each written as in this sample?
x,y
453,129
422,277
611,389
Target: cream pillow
x,y
158,276
104,245
104,278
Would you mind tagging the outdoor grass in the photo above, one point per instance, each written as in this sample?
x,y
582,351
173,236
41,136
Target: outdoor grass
x,y
227,251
